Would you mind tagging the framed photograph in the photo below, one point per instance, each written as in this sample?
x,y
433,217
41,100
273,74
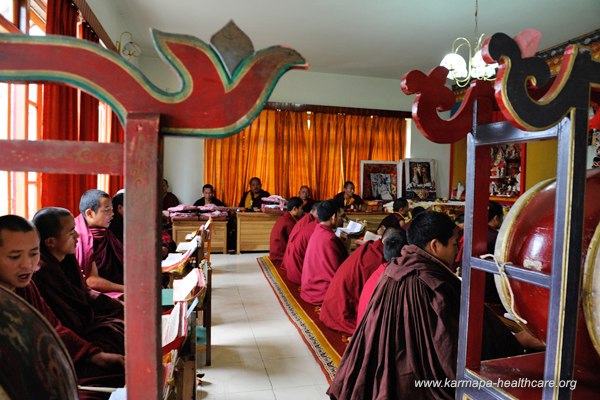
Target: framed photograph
x,y
380,180
419,177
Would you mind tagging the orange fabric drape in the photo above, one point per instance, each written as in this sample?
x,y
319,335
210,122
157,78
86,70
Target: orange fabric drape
x,y
285,152
60,115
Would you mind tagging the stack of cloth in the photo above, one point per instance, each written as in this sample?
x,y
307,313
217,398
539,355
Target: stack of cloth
x,y
273,204
184,212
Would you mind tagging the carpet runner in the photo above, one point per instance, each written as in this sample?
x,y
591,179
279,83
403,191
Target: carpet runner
x,y
326,345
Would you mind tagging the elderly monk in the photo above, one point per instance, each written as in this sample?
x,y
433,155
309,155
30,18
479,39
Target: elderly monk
x,y
283,228
410,328
324,254
339,307
305,196
19,256
293,258
92,315
395,240
99,252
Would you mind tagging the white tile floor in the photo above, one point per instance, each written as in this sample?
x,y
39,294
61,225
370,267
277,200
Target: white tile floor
x,y
257,353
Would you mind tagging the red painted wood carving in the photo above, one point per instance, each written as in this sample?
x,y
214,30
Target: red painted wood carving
x,y
216,98
433,96
571,88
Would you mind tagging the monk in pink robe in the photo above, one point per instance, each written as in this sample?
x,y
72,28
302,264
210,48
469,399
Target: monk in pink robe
x,y
324,254
338,310
293,258
283,228
19,257
99,252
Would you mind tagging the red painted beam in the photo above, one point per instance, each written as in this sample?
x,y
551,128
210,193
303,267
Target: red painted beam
x,y
61,156
143,170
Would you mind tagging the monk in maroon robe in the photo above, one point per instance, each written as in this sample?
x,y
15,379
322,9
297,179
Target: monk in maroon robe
x,y
19,257
410,329
90,314
394,241
338,310
397,219
324,254
283,228
99,252
293,258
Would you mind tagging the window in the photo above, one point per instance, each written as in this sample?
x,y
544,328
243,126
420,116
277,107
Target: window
x,y
20,119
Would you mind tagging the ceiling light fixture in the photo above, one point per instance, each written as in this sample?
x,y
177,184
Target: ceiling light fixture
x,y
461,71
128,49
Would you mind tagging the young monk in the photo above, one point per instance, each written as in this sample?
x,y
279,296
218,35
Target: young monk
x,y
19,257
208,197
90,314
293,258
283,228
99,252
348,199
324,254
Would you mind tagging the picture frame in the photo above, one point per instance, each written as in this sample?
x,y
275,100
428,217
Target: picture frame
x,y
380,180
420,178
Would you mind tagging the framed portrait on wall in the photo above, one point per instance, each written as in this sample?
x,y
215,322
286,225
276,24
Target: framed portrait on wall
x,y
419,177
380,180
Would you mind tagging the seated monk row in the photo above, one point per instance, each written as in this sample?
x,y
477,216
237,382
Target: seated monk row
x,y
293,258
324,254
282,229
20,258
340,304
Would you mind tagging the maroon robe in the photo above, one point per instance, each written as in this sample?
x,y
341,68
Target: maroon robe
x,y
92,315
170,200
340,303
103,247
279,237
367,292
410,332
392,221
324,255
305,220
79,349
293,259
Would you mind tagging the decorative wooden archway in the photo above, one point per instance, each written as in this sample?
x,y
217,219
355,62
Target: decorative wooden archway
x,y
223,88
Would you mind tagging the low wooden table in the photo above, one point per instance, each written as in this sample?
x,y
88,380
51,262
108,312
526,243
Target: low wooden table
x,y
254,231
218,231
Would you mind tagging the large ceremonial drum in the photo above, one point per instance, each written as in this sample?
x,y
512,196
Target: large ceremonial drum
x,y
526,238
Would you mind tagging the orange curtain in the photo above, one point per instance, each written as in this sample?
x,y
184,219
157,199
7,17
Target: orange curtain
x,y
288,149
371,138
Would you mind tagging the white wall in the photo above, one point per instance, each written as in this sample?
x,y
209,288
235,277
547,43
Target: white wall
x,y
184,157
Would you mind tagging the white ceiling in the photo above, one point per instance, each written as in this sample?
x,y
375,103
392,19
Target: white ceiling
x,y
376,38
